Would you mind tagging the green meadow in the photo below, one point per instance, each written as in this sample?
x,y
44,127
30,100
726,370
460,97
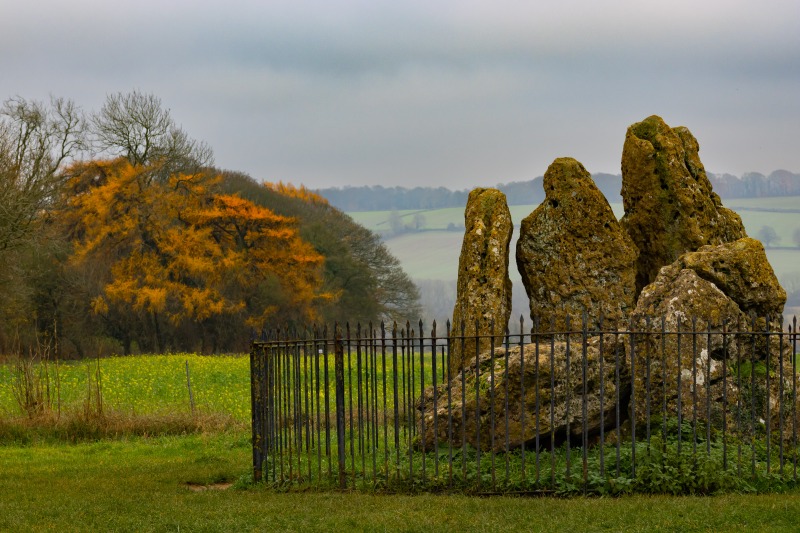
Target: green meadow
x,y
432,253
152,385
199,479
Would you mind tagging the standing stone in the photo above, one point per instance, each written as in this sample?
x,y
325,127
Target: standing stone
x,y
484,288
573,255
670,207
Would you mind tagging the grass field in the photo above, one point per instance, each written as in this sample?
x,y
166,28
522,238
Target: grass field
x,y
200,481
193,483
433,253
146,385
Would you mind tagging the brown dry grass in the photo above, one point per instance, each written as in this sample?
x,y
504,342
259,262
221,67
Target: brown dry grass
x,y
80,426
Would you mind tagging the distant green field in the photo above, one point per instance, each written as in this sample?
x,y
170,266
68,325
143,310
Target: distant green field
x,y
433,253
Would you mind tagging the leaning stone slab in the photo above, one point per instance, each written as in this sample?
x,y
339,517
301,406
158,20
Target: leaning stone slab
x,y
515,393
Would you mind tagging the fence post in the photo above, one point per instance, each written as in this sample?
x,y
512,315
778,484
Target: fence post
x,y
339,372
256,411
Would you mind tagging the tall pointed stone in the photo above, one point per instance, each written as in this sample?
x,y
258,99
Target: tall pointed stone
x,y
573,255
484,288
670,208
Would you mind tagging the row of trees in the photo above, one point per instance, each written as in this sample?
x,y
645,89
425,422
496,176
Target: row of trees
x,y
117,233
377,198
380,198
755,185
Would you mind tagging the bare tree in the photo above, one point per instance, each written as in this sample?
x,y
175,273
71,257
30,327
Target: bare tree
x,y
137,127
36,142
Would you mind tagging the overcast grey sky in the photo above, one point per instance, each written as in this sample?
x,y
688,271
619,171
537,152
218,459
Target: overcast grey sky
x,y
453,93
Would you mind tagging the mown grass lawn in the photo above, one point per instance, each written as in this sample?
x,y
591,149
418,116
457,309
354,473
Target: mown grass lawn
x,y
158,484
201,481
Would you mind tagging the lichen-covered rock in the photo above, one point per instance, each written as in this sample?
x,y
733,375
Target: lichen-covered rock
x,y
573,255
484,289
670,207
725,293
741,270
519,393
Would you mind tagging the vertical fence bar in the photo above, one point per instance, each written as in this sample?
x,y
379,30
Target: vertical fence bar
x,y
270,391
536,398
647,387
326,368
753,360
396,399
491,403
725,394
632,337
708,388
794,398
664,375
449,407
463,341
567,390
360,402
602,398
505,403
385,401
298,403
767,421
422,395
780,398
552,402
738,402
375,394
477,397
288,401
317,354
410,398
435,405
618,442
350,417
584,406
679,384
694,389
308,417
340,413
522,402
404,375
256,410
280,409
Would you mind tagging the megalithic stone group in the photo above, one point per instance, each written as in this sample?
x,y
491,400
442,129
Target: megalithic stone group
x,y
677,253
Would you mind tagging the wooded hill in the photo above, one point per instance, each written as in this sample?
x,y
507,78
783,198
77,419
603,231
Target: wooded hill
x,y
118,235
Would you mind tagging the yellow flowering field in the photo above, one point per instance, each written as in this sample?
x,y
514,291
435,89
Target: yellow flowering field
x,y
144,384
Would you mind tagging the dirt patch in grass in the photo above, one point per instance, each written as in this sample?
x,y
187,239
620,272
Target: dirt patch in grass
x,y
198,487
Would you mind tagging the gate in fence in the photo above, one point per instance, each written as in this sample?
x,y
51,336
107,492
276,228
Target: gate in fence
x,y
536,411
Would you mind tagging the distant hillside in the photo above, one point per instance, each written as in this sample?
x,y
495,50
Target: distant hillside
x,y
378,198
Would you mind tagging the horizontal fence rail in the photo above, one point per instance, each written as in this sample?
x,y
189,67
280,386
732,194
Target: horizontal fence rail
x,y
578,410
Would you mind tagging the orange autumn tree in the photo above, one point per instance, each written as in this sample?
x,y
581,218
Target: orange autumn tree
x,y
184,267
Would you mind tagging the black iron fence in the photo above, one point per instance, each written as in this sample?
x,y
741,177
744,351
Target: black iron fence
x,y
654,403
